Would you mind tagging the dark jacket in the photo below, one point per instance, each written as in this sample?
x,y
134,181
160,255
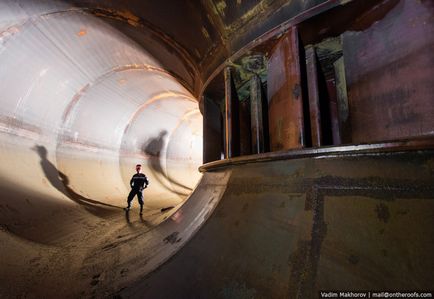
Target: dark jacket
x,y
139,181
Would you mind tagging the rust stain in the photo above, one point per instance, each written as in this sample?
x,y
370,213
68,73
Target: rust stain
x,y
221,6
284,92
120,15
82,32
132,19
74,101
9,31
248,16
373,15
13,126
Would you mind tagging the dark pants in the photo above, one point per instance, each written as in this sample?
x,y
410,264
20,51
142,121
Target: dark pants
x,y
139,196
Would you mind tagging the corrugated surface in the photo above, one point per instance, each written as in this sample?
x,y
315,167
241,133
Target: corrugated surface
x,y
81,104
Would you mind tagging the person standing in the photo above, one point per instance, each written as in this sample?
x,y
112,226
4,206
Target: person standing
x,y
138,183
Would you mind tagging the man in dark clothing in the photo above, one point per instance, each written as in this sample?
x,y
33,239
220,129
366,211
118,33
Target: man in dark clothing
x,y
138,182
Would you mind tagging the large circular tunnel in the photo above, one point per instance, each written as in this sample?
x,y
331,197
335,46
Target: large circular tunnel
x,y
81,105
82,99
90,88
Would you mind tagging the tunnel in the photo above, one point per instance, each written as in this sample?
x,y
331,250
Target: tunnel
x,y
287,145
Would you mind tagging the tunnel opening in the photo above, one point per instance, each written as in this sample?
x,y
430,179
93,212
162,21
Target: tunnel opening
x,y
82,104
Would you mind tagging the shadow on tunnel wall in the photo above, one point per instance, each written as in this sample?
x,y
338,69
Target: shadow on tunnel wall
x,y
61,182
152,148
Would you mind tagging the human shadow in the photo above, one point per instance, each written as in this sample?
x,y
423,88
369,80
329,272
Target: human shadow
x,y
127,218
61,182
152,148
141,219
145,222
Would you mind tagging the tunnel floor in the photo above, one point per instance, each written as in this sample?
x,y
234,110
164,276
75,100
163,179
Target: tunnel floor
x,y
280,229
90,89
66,256
73,253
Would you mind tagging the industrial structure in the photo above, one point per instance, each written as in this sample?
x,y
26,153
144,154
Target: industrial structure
x,y
288,144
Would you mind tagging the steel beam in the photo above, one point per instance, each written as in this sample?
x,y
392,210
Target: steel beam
x,y
285,94
232,127
313,89
259,116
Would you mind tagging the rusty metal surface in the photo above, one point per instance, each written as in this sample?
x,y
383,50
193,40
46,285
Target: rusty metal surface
x,y
344,150
264,42
285,109
370,105
199,34
348,15
232,116
343,107
287,229
89,88
245,132
390,74
314,107
333,108
239,23
259,116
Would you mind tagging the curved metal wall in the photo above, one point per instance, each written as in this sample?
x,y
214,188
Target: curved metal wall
x,y
81,104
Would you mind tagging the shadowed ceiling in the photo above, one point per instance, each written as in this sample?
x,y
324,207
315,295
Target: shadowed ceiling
x,y
193,37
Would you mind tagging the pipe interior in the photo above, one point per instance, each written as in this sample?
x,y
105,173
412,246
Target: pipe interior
x,y
81,105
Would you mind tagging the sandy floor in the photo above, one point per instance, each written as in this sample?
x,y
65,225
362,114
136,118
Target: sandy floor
x,y
63,230
71,261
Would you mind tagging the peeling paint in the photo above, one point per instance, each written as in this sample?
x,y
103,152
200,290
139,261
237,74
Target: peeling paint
x,y
120,15
261,7
221,6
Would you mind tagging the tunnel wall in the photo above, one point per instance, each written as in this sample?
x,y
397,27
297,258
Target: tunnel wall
x,y
389,73
80,101
354,73
288,229
83,102
198,36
